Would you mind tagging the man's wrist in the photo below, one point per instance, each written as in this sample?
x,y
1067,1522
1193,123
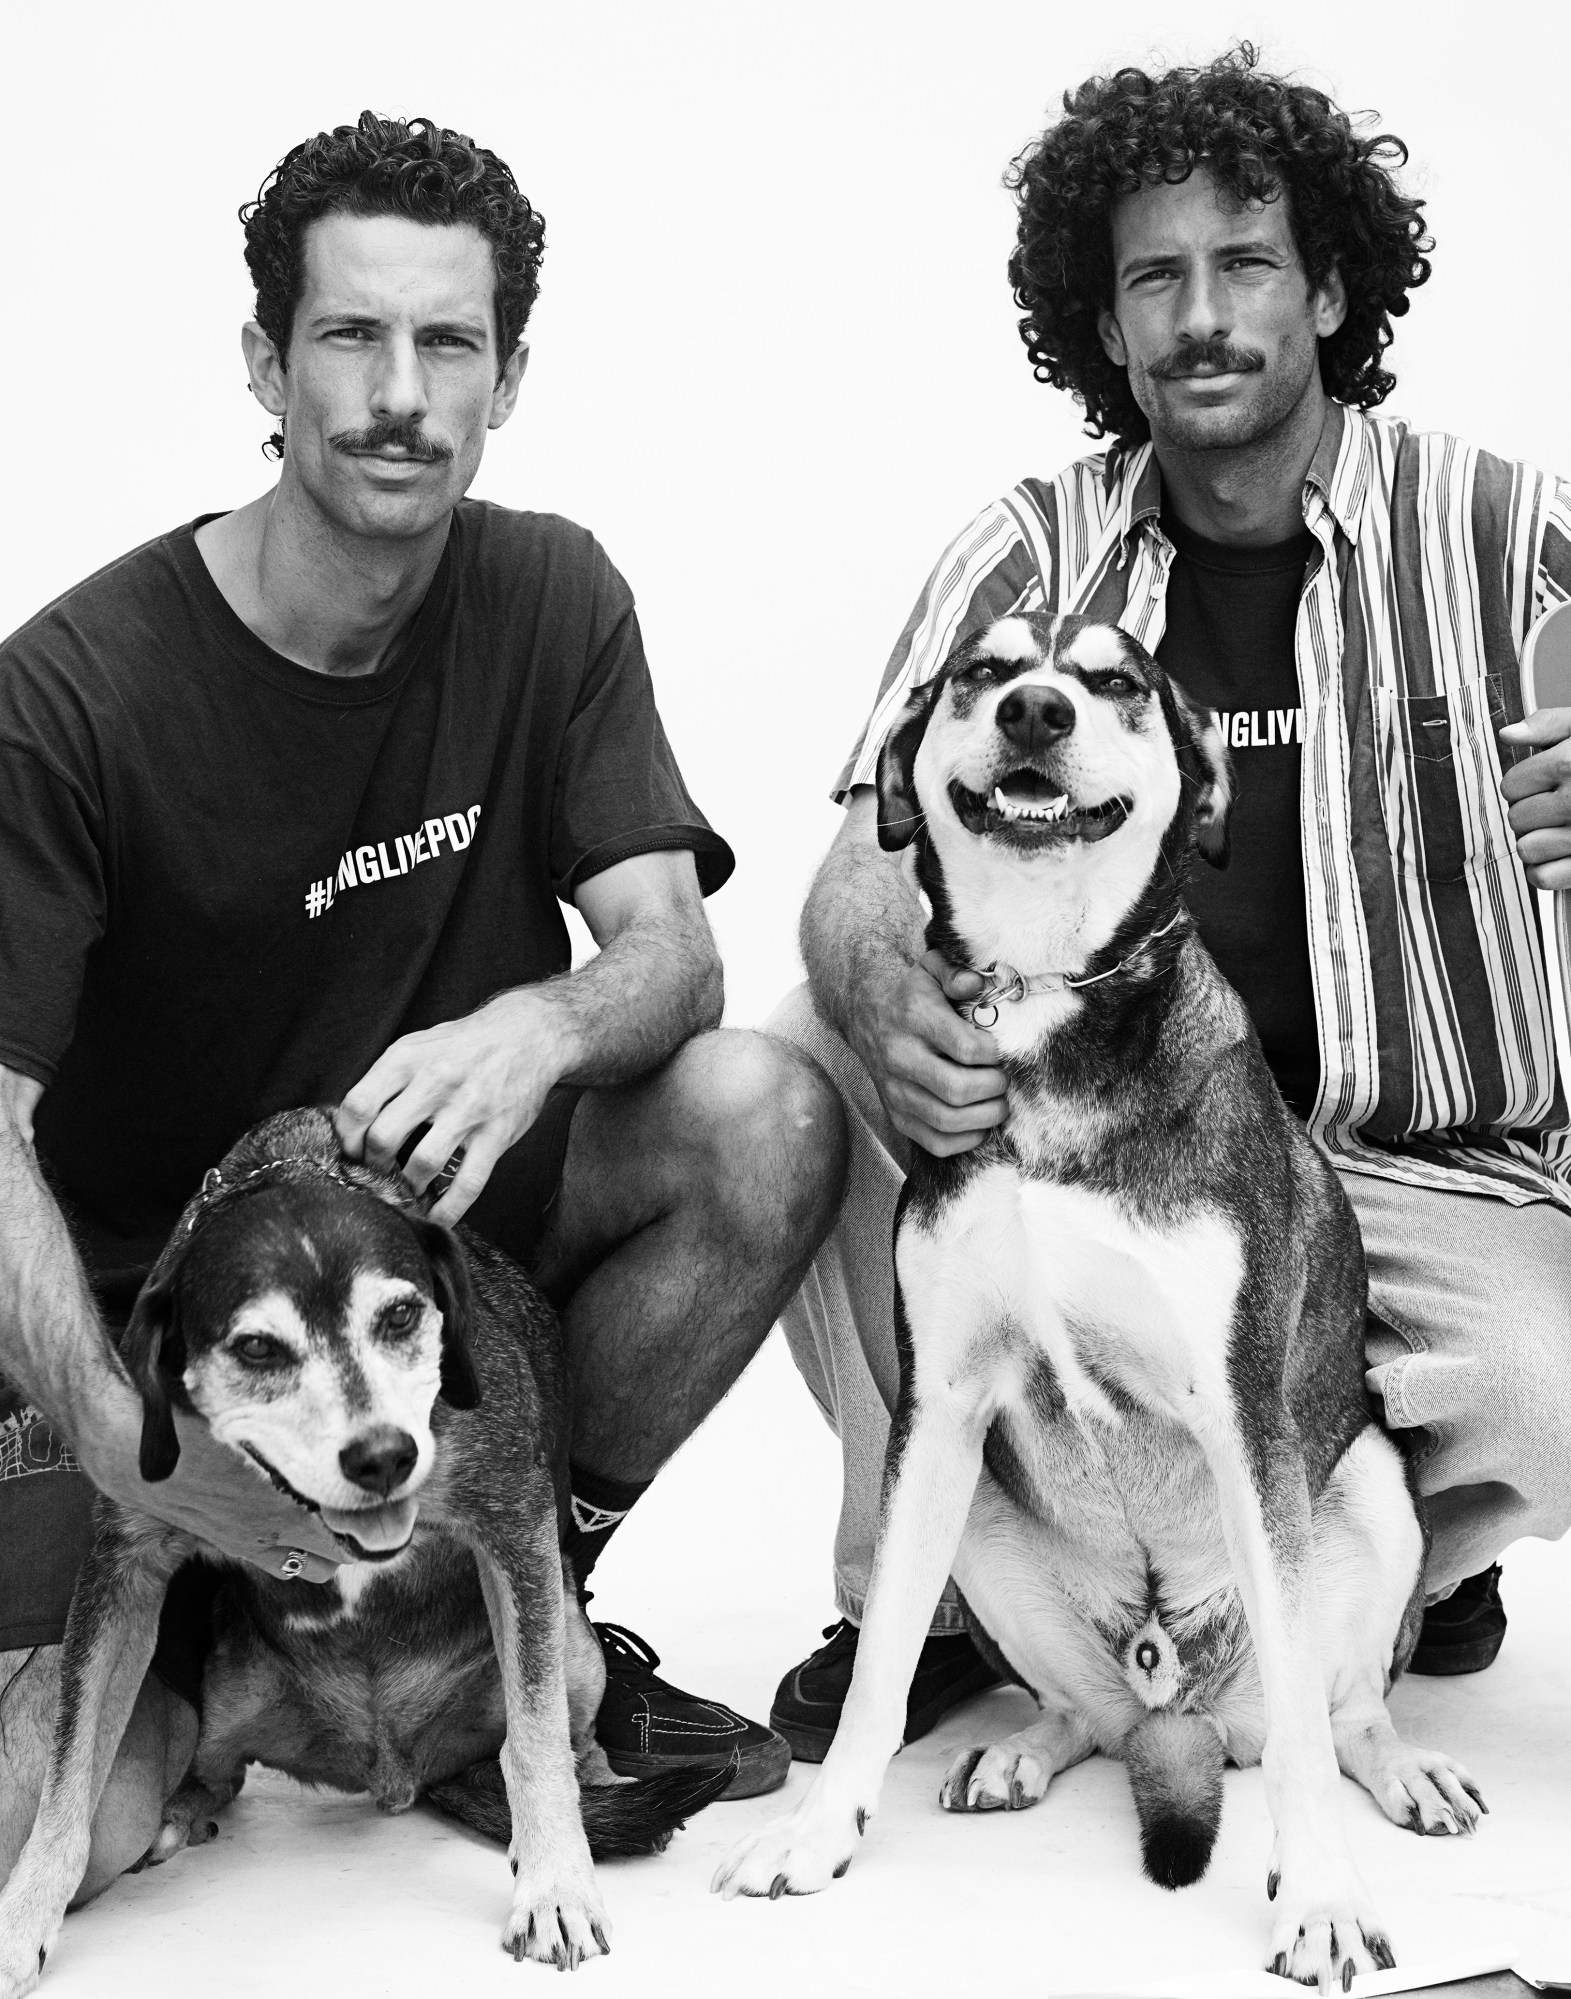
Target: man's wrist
x,y
543,1019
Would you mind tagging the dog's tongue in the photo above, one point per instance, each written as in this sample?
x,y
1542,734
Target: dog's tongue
x,y
378,1529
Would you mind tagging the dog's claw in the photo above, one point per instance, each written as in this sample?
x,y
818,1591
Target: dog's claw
x,y
861,1820
1380,1950
1273,1882
777,1888
842,1868
599,1936
1279,1964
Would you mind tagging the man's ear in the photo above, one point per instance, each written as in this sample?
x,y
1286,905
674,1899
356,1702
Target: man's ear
x,y
154,1353
1111,335
1213,807
899,814
455,1301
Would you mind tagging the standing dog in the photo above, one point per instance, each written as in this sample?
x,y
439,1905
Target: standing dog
x,y
1131,1419
409,1389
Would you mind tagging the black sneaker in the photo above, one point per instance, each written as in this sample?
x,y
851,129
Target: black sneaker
x,y
809,1699
646,1727
1463,1633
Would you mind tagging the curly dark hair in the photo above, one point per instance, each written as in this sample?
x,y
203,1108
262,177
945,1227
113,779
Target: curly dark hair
x,y
390,166
1260,137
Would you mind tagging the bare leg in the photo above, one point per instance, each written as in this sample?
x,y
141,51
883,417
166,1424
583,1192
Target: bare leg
x,y
691,1204
109,1640
152,1758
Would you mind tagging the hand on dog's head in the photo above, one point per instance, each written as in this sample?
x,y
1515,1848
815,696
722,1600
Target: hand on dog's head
x,y
180,1310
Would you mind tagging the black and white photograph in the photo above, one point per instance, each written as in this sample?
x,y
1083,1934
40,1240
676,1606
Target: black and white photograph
x,y
785,1000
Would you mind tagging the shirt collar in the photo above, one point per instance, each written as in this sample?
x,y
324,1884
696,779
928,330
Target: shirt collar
x,y
1338,476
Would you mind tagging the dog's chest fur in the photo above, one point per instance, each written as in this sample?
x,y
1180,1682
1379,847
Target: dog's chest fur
x,y
1099,1508
384,1681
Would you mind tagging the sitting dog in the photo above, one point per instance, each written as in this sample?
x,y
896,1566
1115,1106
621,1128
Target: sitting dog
x,y
1131,1420
409,1389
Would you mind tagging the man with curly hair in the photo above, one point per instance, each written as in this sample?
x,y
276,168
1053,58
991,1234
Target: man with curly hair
x,y
1209,261
291,798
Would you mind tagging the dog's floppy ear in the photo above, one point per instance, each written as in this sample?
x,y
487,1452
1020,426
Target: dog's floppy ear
x,y
899,814
1214,800
154,1353
455,1301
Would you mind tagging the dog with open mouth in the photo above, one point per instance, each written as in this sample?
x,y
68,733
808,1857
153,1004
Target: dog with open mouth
x,y
405,1382
1132,1421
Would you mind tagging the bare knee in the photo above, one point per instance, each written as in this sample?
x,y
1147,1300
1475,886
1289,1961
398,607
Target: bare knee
x,y
768,1132
154,1755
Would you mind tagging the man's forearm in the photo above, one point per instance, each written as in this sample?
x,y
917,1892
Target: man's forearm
x,y
654,986
861,928
52,1342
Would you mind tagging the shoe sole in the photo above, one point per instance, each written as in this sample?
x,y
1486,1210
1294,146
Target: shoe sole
x,y
761,1770
1440,1661
811,1745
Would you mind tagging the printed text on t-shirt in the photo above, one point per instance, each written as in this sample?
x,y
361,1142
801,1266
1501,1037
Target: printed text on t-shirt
x,y
1260,728
363,865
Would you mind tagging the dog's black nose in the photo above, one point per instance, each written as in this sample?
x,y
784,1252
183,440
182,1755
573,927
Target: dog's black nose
x,y
1033,717
380,1459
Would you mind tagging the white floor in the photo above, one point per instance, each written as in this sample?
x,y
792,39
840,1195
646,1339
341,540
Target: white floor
x,y
725,1569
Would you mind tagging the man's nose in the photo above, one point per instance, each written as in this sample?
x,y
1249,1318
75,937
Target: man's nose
x,y
399,388
1203,312
1034,717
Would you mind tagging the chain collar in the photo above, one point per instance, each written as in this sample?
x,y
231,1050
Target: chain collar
x,y
1005,985
216,1191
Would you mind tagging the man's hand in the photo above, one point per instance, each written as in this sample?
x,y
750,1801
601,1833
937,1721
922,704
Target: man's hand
x,y
937,1076
212,1493
479,1083
1538,792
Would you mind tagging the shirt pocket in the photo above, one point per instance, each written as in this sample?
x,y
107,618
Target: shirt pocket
x,y
1440,780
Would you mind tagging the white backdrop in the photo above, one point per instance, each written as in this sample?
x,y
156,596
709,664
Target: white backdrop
x,y
775,363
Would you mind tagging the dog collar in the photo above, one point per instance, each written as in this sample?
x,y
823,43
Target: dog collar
x,y
1005,984
215,1189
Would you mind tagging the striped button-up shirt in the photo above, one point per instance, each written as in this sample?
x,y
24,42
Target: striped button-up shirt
x,y
1431,979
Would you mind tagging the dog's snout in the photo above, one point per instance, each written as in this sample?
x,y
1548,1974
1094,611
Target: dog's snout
x,y
380,1459
1034,717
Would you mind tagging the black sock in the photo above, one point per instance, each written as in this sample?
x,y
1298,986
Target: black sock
x,y
600,1505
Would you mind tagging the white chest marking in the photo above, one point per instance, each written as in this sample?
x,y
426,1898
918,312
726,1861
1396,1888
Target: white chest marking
x,y
1067,1270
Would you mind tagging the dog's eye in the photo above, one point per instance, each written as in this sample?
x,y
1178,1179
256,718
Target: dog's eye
x,y
1118,683
401,1315
259,1350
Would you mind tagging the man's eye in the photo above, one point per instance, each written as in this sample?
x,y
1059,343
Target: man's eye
x,y
258,1350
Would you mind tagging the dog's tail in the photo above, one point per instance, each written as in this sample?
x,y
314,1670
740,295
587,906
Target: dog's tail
x,y
619,1819
1175,1772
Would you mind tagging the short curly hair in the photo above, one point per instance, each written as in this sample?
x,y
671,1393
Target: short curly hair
x,y
390,166
1260,137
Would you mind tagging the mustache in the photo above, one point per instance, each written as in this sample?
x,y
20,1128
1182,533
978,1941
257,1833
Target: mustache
x,y
392,434
1211,357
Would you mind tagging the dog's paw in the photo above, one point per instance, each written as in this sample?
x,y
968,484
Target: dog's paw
x,y
1005,1778
1426,1791
797,1854
25,1945
1326,1931
556,1921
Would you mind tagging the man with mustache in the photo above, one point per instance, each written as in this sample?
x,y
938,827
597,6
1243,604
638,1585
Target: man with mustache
x,y
1209,261
289,800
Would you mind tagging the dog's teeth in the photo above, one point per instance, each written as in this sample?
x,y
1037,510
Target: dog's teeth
x,y
1058,807
1002,804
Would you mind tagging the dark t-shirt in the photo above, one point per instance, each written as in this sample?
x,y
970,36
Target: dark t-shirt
x,y
228,883
1229,645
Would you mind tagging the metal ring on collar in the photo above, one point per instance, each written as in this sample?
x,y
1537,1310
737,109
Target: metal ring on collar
x,y
292,1566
